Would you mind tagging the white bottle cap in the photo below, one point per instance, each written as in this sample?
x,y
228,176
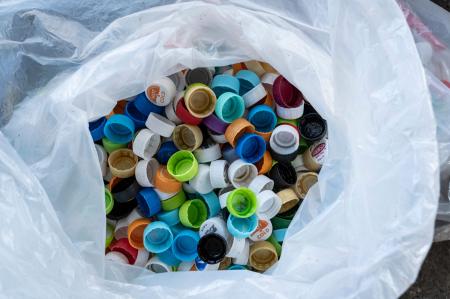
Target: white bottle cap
x,y
146,144
223,195
185,266
214,225
159,124
155,265
261,183
179,80
171,115
263,230
164,195
218,174
236,248
208,154
121,229
243,258
241,173
161,91
142,258
298,164
145,172
116,256
290,113
188,188
201,182
284,140
269,204
254,95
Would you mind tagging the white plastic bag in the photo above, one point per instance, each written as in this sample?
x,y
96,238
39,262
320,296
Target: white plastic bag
x,y
363,231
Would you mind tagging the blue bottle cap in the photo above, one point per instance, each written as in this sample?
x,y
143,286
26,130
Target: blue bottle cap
x,y
237,267
169,258
263,118
251,147
242,227
171,217
135,115
247,80
229,107
145,106
157,237
119,129
166,150
96,128
212,202
148,202
229,153
184,246
225,83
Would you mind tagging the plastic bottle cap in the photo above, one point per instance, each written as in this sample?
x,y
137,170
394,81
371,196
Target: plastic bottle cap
x,y
187,137
250,147
247,80
208,153
199,75
212,202
135,115
242,258
241,173
255,66
298,164
242,202
285,94
229,153
242,227
161,91
135,232
184,115
263,118
155,265
225,83
145,106
169,258
165,182
290,113
237,247
218,174
182,165
122,163
120,230
148,202
179,80
186,266
304,182
212,248
117,257
157,237
174,202
123,190
280,234
171,114
288,199
201,182
236,129
146,144
119,129
109,234
184,245
214,225
269,204
145,172
265,164
219,138
215,124
193,213
263,231
262,255
283,174
96,128
109,202
261,183
109,146
229,107
200,100
121,209
171,217
314,156
223,195
125,248
254,95
285,140
312,127
160,125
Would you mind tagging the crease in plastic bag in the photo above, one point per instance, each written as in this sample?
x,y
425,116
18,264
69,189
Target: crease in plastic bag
x,y
370,218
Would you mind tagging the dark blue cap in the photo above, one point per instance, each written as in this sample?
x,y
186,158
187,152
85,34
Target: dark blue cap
x,y
250,147
166,150
143,104
148,202
96,128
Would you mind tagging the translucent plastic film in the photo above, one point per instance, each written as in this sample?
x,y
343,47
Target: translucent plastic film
x,y
363,231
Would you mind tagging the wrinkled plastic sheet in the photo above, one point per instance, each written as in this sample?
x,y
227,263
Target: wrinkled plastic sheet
x,y
363,231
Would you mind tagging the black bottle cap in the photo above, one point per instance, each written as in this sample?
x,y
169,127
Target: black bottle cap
x,y
283,174
122,209
312,127
212,248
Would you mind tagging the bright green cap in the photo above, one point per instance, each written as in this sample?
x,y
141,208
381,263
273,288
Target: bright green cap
x,y
182,165
174,202
287,121
109,202
110,146
241,202
109,234
275,244
193,213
